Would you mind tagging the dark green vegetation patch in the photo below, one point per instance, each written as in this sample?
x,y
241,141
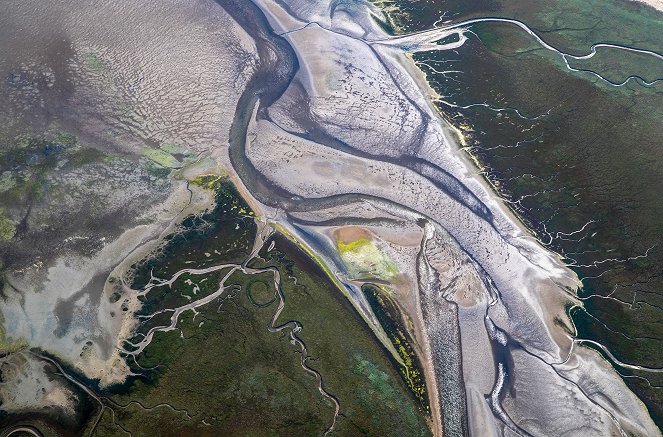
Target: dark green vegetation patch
x,y
391,320
226,370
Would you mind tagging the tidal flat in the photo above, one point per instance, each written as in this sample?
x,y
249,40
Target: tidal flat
x,y
575,155
222,215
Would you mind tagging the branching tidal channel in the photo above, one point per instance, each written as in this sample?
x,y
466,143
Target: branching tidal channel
x,y
291,327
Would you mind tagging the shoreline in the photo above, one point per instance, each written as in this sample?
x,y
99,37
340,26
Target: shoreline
x,y
656,4
318,128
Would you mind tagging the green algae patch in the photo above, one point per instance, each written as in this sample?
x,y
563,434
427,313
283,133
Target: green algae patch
x,y
65,138
7,228
380,388
362,258
10,346
156,170
169,156
94,62
162,158
380,383
30,164
7,181
174,150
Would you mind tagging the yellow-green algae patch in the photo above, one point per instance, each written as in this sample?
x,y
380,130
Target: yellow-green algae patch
x,y
393,322
379,333
209,181
8,346
362,258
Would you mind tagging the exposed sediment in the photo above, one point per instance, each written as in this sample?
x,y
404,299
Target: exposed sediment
x,y
353,127
326,129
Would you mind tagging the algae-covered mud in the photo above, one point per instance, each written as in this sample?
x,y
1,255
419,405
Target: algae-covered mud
x,y
329,218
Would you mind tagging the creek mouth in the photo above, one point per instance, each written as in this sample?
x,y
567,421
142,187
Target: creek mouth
x,y
193,299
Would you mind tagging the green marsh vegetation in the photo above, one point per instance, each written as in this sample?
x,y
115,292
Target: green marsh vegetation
x,y
223,372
